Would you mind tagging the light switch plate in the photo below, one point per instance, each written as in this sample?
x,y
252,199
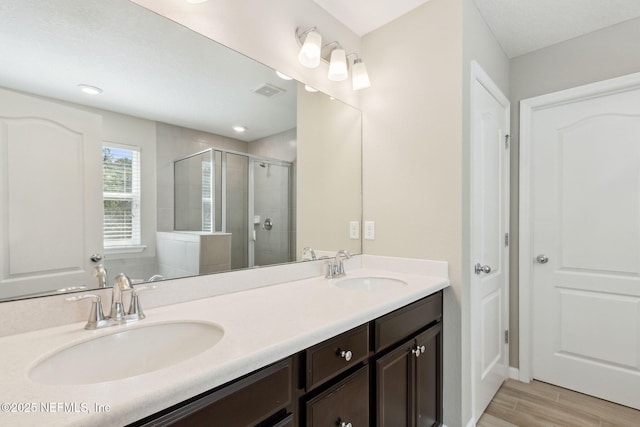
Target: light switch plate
x,y
370,230
354,230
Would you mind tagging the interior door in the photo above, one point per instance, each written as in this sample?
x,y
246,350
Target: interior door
x,y
489,239
585,219
51,211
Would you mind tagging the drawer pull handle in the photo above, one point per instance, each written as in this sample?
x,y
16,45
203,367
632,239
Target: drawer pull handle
x,y
418,350
345,424
346,355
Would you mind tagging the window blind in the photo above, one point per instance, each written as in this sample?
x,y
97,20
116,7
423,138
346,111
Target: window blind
x,y
121,194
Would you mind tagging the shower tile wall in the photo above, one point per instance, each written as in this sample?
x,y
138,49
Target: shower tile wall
x,y
174,142
278,244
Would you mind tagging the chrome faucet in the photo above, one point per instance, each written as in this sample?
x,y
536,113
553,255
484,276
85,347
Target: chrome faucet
x,y
101,273
121,284
311,251
335,268
117,315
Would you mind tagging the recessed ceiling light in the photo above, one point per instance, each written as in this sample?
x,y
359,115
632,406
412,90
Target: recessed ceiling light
x,y
240,129
90,90
310,89
283,76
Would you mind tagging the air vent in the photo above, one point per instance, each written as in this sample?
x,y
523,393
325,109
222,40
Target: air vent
x,y
268,90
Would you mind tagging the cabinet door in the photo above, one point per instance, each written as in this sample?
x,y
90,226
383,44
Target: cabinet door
x,y
393,391
409,382
347,402
428,378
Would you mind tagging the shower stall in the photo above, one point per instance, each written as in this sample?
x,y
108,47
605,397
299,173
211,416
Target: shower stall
x,y
248,196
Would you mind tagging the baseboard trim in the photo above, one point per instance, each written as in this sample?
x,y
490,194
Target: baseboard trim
x,y
514,373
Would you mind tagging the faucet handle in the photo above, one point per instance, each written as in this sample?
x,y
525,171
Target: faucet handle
x,y
134,306
96,315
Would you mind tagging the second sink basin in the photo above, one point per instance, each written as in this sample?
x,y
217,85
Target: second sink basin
x,y
369,284
127,353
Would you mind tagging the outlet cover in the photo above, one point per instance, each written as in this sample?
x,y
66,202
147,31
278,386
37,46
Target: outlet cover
x,y
354,230
370,230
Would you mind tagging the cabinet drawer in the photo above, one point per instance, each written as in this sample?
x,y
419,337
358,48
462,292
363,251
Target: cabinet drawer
x,y
401,323
336,355
346,402
246,402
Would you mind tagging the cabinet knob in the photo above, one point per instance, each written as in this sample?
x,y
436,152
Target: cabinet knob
x,y
418,350
346,355
345,424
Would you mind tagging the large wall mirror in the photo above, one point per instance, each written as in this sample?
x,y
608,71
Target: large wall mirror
x,y
129,143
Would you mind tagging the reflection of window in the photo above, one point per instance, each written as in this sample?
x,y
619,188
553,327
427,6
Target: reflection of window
x,y
207,201
121,194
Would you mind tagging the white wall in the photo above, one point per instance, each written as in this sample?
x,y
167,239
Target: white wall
x,y
604,54
265,31
412,156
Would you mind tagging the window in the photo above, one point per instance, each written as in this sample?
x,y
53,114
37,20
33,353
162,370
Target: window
x,y
121,194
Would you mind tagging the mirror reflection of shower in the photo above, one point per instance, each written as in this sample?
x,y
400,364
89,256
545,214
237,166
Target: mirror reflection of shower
x,y
219,191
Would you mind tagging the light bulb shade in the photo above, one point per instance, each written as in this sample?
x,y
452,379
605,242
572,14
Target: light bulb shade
x,y
310,51
338,66
360,78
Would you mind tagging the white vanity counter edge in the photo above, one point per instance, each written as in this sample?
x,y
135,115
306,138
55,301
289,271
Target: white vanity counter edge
x,y
261,326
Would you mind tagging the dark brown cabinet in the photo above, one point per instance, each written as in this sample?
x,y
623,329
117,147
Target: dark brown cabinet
x,y
409,382
408,375
336,355
262,398
345,404
385,373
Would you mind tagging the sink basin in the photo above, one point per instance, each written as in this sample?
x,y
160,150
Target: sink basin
x,y
369,284
127,353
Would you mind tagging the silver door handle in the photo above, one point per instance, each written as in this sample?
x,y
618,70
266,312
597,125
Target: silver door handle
x,y
542,259
479,268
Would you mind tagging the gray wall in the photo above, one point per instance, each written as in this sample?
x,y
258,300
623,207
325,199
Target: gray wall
x,y
604,54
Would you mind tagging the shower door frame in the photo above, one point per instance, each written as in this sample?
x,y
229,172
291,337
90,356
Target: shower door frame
x,y
251,160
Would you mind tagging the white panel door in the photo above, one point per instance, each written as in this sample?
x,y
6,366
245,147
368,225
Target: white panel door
x,y
51,186
489,225
585,242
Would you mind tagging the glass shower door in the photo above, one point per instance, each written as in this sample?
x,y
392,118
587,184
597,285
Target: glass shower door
x,y
270,196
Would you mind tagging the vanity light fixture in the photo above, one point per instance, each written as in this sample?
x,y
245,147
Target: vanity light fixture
x,y
338,65
240,129
359,76
310,52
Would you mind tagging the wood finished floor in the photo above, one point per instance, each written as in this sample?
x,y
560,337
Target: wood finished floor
x,y
539,404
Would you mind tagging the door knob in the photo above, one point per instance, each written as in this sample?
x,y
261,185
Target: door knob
x,y
542,259
479,268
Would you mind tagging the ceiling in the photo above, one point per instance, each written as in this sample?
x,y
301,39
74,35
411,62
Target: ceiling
x,y
147,66
520,26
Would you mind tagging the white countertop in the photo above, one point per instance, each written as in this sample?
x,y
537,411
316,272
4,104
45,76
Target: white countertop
x,y
261,326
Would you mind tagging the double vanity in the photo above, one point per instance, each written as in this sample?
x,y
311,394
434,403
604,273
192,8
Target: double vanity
x,y
359,350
